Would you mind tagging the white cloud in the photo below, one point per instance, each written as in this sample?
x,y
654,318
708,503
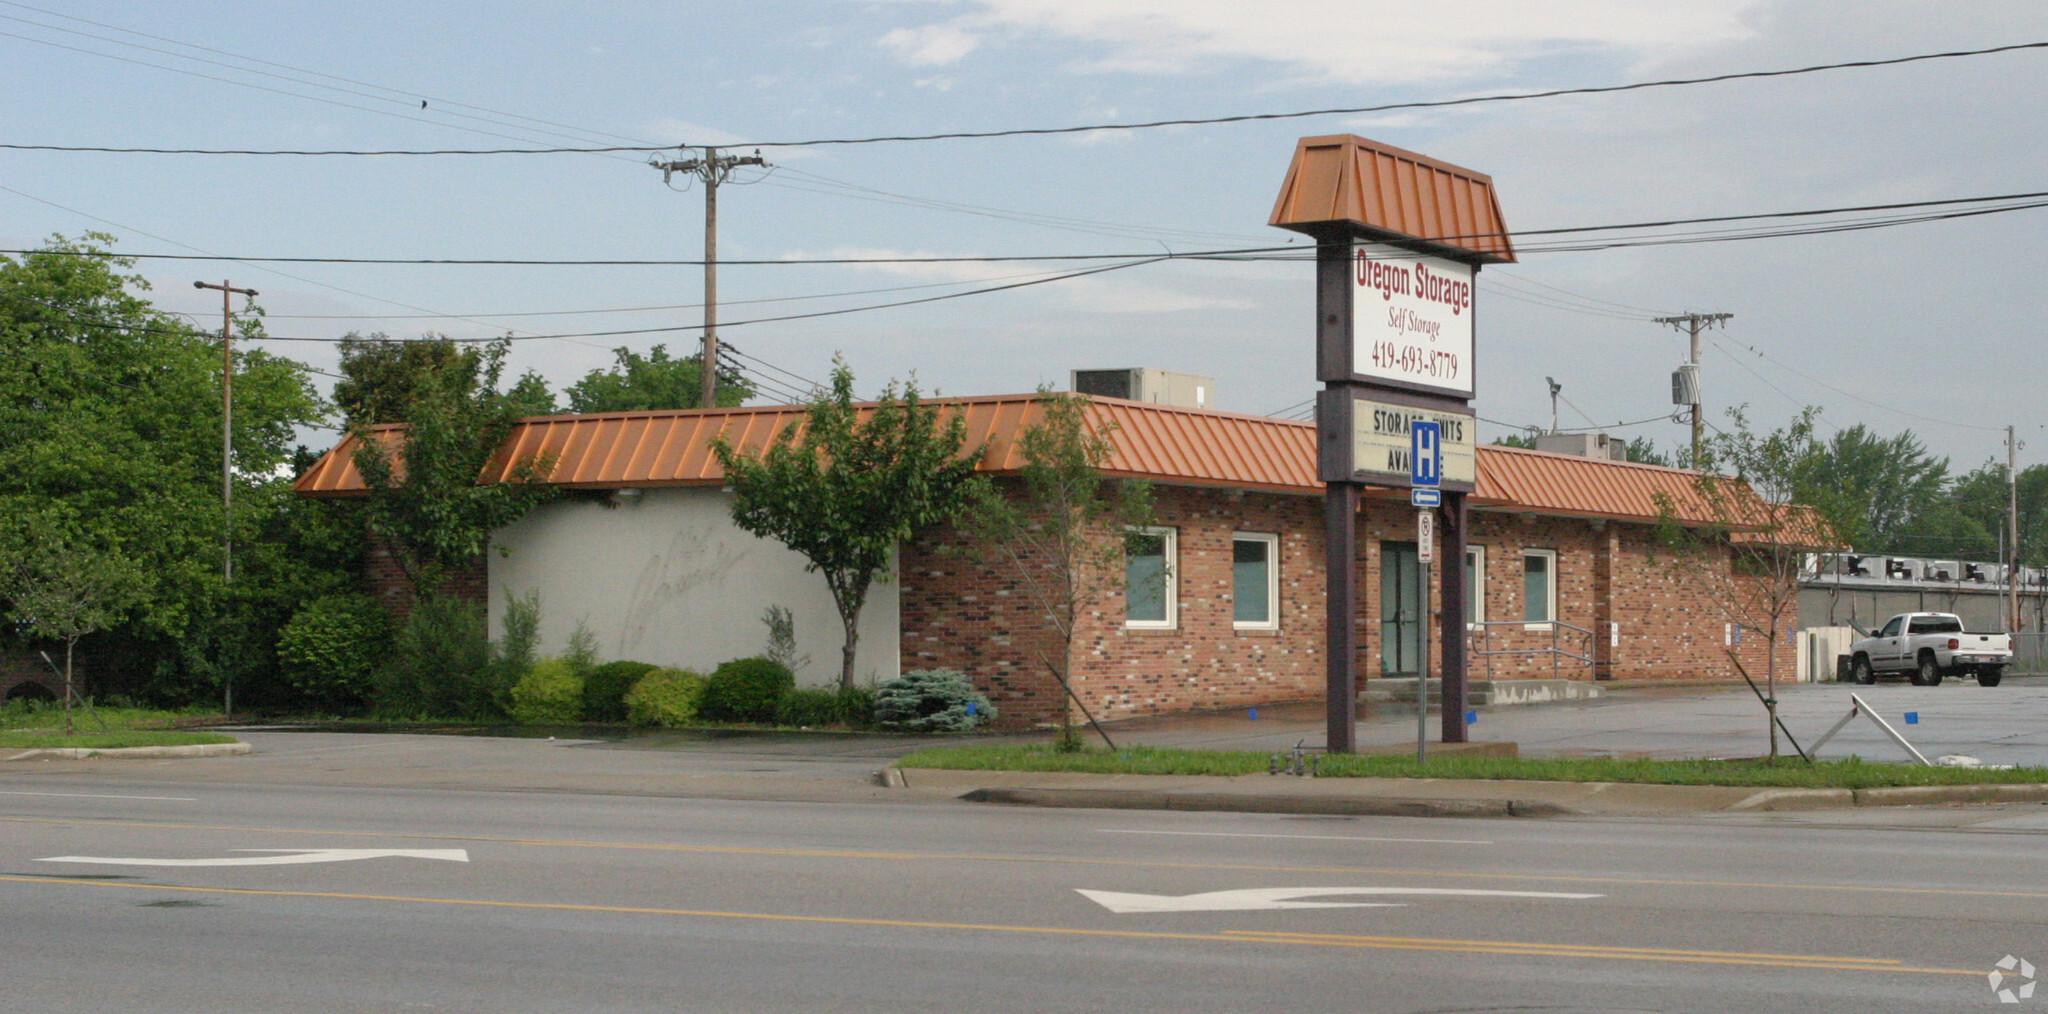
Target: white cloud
x,y
931,45
1345,41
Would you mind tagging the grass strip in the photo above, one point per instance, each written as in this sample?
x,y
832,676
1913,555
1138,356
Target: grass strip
x,y
1794,773
45,717
47,740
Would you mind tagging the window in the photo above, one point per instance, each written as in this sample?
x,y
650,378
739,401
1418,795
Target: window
x,y
1255,581
1890,629
1475,585
1539,586
1149,599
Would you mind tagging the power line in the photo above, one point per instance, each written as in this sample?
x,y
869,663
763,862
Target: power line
x,y
1053,131
1857,397
2030,201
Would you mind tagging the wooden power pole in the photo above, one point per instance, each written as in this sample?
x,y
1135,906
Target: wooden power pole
x,y
712,169
1692,323
227,442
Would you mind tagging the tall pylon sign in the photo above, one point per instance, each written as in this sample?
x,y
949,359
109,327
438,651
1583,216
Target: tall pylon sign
x,y
1400,239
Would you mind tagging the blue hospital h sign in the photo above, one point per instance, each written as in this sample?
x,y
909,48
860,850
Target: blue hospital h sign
x,y
1425,454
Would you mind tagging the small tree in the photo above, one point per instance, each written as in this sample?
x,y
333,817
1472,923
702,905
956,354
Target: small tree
x,y
845,491
63,585
427,501
654,381
1759,505
1063,536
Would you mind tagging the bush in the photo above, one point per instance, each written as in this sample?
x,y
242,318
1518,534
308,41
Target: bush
x,y
604,689
931,700
746,690
440,664
549,694
330,649
814,707
512,653
665,697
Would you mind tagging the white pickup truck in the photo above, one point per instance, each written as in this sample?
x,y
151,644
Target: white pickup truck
x,y
1930,646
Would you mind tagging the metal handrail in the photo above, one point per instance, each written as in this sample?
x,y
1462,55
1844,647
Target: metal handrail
x,y
1555,651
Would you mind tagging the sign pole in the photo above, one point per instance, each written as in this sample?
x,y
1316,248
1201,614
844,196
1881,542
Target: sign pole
x,y
1425,554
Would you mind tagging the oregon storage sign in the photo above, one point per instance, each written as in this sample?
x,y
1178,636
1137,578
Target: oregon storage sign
x,y
1411,319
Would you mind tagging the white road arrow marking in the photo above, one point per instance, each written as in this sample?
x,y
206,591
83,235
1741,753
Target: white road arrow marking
x,y
1258,898
290,856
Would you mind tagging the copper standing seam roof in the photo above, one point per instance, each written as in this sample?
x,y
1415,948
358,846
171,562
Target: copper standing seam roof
x,y
1157,442
1344,179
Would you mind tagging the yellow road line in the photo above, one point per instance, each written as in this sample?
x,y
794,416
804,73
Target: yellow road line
x,y
1044,860
1239,937
1576,948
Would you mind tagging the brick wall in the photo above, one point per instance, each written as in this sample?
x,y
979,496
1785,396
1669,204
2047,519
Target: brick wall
x,y
24,666
386,580
960,613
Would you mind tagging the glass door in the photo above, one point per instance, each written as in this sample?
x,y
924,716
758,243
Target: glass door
x,y
1401,613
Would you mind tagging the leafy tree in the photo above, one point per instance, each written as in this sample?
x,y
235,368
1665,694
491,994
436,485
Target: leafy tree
x,y
1759,504
109,421
382,374
1887,487
637,383
530,396
63,583
434,510
1526,441
1643,451
844,490
1062,536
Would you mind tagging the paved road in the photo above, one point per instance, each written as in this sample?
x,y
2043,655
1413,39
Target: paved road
x,y
604,902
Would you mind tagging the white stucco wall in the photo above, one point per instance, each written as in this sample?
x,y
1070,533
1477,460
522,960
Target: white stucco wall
x,y
666,578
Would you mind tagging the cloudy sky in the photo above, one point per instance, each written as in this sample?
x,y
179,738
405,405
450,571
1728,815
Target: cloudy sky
x,y
1935,327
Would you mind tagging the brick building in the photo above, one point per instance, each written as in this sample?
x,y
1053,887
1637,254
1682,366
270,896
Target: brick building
x,y
1224,608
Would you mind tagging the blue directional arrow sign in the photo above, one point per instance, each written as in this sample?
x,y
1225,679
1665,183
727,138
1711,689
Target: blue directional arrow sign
x,y
1425,454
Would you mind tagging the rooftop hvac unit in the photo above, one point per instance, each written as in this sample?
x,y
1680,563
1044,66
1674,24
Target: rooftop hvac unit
x,y
1937,572
1853,566
1896,568
1975,572
1160,387
1685,385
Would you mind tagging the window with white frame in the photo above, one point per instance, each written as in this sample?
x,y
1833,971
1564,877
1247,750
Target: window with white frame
x,y
1539,586
1149,560
1475,585
1255,581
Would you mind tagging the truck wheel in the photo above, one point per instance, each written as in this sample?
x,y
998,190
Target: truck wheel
x,y
1989,676
1928,674
1860,671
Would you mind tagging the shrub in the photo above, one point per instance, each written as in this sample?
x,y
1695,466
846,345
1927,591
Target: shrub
x,y
440,664
512,652
666,697
604,689
549,694
857,706
931,700
808,707
330,649
746,690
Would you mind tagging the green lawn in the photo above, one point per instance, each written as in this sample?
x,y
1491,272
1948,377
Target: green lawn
x,y
22,716
1849,774
51,739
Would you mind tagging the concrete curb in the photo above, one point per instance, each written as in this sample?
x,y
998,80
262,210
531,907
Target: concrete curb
x,y
135,752
1227,802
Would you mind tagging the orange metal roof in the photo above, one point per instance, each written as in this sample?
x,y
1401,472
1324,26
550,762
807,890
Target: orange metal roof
x,y
1158,442
1346,179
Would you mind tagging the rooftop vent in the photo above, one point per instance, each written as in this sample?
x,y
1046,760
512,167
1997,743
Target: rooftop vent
x,y
1181,390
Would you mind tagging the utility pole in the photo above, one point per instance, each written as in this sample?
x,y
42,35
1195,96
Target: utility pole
x,y
1692,323
227,443
2012,522
1555,387
712,169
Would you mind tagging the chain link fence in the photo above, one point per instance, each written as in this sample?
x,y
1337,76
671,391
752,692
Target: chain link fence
x,y
2030,653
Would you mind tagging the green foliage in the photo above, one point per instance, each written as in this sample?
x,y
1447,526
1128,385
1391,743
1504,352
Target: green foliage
x,y
781,646
844,491
1643,451
530,395
1064,535
817,707
665,697
426,498
110,429
109,740
745,690
331,649
440,665
931,700
637,383
1525,440
512,654
549,694
1150,760
605,689
582,653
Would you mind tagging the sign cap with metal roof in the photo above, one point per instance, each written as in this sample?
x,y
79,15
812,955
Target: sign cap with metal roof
x,y
1347,184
